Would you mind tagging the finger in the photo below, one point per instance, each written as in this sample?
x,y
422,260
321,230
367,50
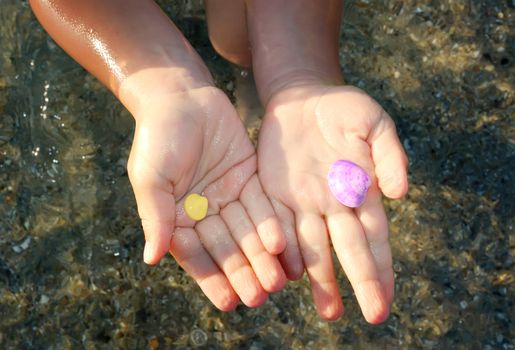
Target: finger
x,y
224,251
262,214
156,208
354,254
193,258
290,258
375,225
266,266
389,158
316,253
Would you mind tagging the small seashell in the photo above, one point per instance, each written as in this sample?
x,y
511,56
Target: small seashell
x,y
195,206
348,182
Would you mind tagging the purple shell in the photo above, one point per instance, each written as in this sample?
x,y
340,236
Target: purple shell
x,y
348,183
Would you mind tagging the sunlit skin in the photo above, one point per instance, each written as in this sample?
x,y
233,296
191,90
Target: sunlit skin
x,y
305,129
194,142
312,120
189,139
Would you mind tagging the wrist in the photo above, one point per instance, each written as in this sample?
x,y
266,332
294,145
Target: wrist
x,y
140,90
289,78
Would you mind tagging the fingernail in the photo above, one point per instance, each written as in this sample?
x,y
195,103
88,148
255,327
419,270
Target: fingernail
x,y
148,253
371,298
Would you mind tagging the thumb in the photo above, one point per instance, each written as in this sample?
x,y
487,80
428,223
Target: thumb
x,y
156,208
389,158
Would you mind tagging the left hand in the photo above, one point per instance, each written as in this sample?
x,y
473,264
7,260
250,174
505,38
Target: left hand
x,y
305,130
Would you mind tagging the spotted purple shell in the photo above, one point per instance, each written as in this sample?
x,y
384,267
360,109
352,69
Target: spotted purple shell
x,y
348,182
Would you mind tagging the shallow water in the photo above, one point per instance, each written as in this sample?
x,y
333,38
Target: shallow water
x,y
71,273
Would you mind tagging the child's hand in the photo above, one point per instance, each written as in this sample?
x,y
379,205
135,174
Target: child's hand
x,y
304,131
194,142
188,139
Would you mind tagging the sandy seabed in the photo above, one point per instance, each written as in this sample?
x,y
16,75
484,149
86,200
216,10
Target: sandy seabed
x,y
71,273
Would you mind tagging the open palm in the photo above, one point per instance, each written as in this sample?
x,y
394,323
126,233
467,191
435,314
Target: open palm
x,y
304,131
194,142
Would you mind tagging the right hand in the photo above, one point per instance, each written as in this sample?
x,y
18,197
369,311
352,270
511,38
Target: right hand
x,y
194,142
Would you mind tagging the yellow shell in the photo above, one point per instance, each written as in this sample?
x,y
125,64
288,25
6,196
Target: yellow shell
x,y
195,206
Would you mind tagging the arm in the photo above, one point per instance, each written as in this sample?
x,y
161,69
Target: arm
x,y
129,45
294,43
188,139
311,120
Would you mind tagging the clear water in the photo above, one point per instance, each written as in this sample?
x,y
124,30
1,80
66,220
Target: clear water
x,y
71,273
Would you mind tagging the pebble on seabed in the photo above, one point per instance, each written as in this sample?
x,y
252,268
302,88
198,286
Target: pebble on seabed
x,y
198,337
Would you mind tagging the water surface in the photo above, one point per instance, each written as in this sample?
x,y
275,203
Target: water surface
x,y
71,273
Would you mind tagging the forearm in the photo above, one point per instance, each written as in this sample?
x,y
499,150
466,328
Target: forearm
x,y
129,45
294,43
